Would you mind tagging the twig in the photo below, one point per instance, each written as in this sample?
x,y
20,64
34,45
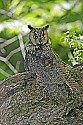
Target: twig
x,y
8,63
21,45
12,53
6,13
7,42
4,73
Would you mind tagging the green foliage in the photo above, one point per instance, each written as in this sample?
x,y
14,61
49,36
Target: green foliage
x,y
76,44
15,15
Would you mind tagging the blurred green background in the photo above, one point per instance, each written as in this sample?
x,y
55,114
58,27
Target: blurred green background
x,y
15,15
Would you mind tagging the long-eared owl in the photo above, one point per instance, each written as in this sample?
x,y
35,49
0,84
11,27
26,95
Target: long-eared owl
x,y
41,60
39,56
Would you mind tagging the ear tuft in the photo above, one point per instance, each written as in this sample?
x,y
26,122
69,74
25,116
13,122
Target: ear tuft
x,y
46,27
30,27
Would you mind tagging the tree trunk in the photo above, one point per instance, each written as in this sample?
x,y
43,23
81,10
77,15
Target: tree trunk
x,y
26,101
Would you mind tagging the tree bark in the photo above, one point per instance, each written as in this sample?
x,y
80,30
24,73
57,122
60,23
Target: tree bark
x,y
26,101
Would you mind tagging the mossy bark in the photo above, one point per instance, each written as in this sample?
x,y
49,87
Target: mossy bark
x,y
26,101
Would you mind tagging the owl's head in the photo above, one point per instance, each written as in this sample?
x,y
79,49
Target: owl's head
x,y
38,36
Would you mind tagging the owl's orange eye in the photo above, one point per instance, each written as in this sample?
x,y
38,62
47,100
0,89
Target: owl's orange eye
x,y
35,37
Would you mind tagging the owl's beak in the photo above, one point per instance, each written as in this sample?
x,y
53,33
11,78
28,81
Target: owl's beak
x,y
40,41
